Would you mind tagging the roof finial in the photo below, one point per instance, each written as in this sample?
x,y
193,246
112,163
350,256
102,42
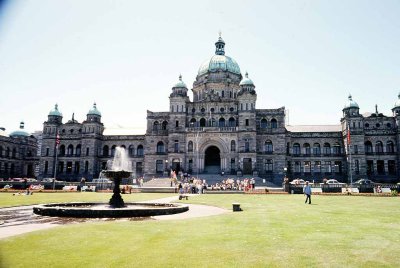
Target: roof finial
x,y
180,77
247,74
376,108
220,33
219,46
21,125
94,105
56,106
350,97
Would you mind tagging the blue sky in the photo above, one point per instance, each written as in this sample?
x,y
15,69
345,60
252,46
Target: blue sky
x,y
126,55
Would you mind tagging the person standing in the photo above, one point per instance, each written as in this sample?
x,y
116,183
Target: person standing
x,y
307,192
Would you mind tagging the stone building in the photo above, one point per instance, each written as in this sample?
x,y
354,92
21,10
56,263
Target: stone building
x,y
221,130
18,157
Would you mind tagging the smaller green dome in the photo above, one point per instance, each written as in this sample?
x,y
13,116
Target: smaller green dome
x,y
351,104
94,110
397,103
21,132
246,81
55,111
180,83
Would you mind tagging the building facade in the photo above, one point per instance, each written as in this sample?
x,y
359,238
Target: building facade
x,y
221,130
18,154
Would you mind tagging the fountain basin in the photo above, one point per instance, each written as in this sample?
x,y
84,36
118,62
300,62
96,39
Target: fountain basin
x,y
102,210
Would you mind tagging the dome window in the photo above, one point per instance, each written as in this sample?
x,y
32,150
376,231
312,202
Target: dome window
x,y
231,109
366,125
378,125
222,110
212,110
203,110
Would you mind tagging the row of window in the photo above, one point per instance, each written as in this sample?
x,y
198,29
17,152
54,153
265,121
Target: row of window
x,y
316,149
7,152
379,147
6,168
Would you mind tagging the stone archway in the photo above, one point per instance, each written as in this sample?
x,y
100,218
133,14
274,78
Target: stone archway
x,y
212,160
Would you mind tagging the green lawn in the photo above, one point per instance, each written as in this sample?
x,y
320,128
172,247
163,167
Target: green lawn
x,y
8,199
272,231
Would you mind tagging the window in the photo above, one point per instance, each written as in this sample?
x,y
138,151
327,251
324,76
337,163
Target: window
x,y
379,147
233,165
190,146
69,167
327,167
370,167
176,123
233,146
70,150
392,167
77,167
316,149
131,150
307,149
139,150
366,125
86,166
338,167
296,149
327,149
159,166
307,167
78,150
232,122
368,147
355,147
247,122
47,151
268,147
113,150
274,123
164,125
222,110
380,167
389,147
336,149
1,151
263,123
155,125
297,167
176,146
221,122
139,168
269,166
202,122
160,147
317,167
87,151
357,166
247,146
46,167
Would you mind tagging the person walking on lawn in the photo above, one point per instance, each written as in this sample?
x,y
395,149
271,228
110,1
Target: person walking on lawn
x,y
307,192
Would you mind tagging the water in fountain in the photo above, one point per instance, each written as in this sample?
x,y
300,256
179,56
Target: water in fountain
x,y
120,161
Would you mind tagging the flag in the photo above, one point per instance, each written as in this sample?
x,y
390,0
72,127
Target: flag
x,y
57,139
348,134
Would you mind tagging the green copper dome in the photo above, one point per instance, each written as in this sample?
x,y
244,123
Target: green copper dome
x,y
397,103
246,81
351,104
180,83
55,111
94,110
219,62
21,132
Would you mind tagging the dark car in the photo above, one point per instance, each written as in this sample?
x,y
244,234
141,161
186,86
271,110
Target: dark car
x,y
364,182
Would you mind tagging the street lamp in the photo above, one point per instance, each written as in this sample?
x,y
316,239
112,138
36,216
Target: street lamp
x,y
166,167
197,150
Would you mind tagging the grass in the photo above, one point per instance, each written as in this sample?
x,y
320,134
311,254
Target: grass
x,y
8,199
272,231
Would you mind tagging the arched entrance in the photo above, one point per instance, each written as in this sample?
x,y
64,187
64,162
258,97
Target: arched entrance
x,y
212,160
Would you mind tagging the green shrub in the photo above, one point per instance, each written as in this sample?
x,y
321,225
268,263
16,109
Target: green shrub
x,y
394,193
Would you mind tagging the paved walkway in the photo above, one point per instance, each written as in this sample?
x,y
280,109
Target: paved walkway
x,y
20,220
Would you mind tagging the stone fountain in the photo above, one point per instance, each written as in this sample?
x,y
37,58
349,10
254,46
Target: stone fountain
x,y
117,169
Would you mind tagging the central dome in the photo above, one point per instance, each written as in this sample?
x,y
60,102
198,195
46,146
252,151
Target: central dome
x,y
219,62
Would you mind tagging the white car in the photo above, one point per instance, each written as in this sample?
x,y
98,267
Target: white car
x,y
333,181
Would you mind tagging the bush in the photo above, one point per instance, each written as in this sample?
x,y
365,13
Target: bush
x,y
394,193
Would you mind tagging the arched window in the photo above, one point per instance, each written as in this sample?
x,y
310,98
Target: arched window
x,y
316,149
233,146
379,147
232,122
164,125
105,150
247,146
221,122
202,122
296,149
139,151
390,147
62,150
268,147
131,150
336,149
327,148
123,146
1,151
14,153
192,122
70,150
263,123
307,149
190,146
113,150
274,123
368,147
78,150
8,152
155,125
160,147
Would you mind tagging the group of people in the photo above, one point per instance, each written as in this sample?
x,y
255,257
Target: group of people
x,y
193,186
235,185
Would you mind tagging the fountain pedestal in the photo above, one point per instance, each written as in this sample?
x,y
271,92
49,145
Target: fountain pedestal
x,y
116,200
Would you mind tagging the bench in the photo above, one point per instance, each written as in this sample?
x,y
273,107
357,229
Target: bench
x,y
183,196
88,188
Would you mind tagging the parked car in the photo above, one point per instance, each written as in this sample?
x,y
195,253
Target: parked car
x,y
333,181
298,181
364,182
